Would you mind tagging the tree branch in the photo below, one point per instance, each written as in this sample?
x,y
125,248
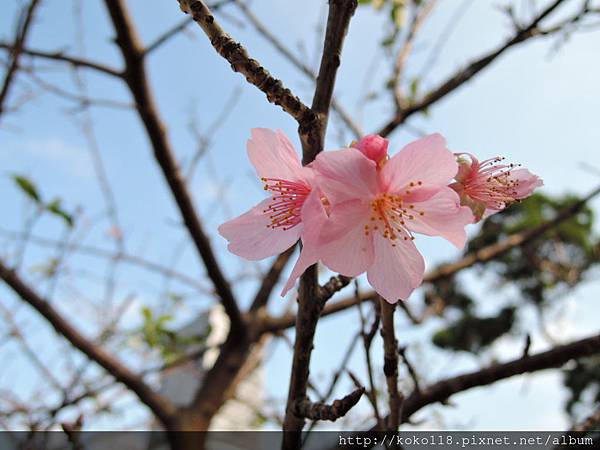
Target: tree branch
x,y
60,56
522,34
390,364
135,77
321,411
160,406
21,35
295,61
241,62
555,357
312,136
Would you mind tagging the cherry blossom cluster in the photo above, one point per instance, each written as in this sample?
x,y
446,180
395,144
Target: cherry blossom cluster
x,y
357,209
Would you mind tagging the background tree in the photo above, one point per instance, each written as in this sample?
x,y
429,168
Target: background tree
x,y
113,263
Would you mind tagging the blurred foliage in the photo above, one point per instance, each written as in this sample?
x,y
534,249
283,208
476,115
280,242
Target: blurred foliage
x,y
28,187
541,271
472,334
551,264
171,345
396,11
584,376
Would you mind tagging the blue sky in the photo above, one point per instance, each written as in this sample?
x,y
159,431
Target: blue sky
x,y
536,105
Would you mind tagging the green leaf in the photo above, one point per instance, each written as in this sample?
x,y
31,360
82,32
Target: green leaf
x,y
414,89
397,14
27,186
54,207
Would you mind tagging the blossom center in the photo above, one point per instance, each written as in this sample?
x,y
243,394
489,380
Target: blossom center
x,y
391,216
286,202
493,184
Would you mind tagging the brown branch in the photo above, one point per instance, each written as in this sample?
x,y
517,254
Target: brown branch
x,y
462,76
60,56
334,285
23,28
136,78
160,406
367,338
171,32
390,364
276,324
241,62
312,135
321,411
297,62
99,252
411,370
555,357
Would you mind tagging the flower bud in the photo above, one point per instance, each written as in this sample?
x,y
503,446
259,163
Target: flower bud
x,y
373,147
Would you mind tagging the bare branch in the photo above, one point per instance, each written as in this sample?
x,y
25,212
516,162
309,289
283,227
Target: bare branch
x,y
60,56
160,406
390,364
241,62
555,357
135,77
321,411
297,62
312,136
168,35
21,35
529,31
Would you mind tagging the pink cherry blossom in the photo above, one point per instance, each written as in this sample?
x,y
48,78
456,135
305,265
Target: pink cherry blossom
x,y
375,209
275,224
373,147
491,185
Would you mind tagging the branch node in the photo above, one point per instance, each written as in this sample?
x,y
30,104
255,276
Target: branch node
x,y
322,411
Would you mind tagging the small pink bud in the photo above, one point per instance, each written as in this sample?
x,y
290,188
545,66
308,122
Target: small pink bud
x,y
373,147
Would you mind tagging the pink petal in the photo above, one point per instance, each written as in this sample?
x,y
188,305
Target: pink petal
x,y
307,258
343,245
273,155
250,238
443,216
528,182
346,175
426,160
314,218
396,271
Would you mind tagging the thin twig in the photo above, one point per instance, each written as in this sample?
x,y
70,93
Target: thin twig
x,y
22,30
523,34
160,406
241,62
390,364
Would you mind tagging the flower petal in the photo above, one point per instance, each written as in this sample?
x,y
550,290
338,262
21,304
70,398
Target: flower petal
x,y
442,216
527,182
396,271
346,175
273,155
250,238
314,218
426,160
343,245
